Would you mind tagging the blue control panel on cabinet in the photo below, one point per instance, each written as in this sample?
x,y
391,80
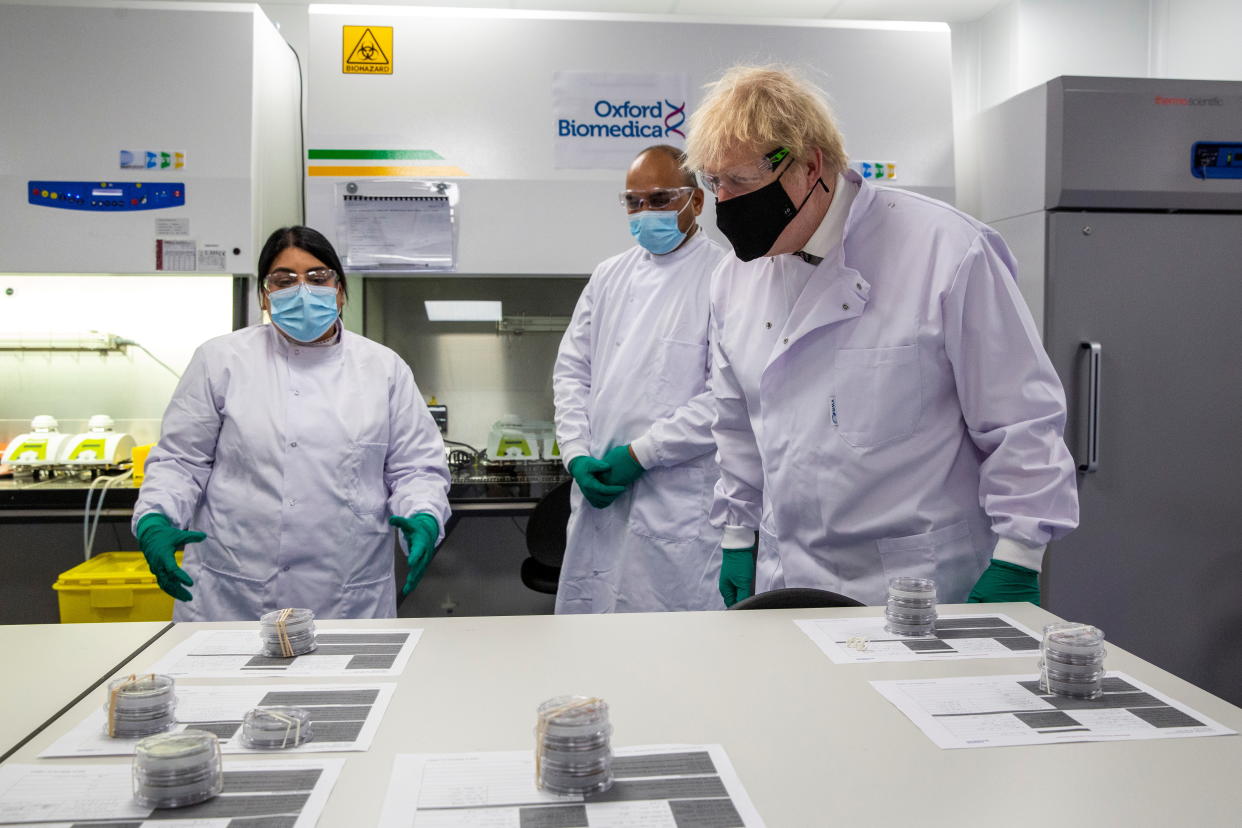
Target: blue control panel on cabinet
x,y
106,196
1214,159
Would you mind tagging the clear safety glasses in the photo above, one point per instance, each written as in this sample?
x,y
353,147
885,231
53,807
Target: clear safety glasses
x,y
319,277
658,199
746,177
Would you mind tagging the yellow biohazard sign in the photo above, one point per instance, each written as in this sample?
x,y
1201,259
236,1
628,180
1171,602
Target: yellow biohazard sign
x,y
366,50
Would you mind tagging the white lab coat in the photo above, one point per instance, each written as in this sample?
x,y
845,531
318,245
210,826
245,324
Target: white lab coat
x,y
633,368
291,458
895,415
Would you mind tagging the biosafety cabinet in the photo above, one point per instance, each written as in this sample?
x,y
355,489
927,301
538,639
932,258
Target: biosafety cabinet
x,y
1122,201
144,137
535,116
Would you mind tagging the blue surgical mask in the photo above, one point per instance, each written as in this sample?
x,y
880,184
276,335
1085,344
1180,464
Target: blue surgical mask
x,y
304,312
657,230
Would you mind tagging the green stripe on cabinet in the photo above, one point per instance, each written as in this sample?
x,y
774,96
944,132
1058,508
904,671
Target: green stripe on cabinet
x,y
374,155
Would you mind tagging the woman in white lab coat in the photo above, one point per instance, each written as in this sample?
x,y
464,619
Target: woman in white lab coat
x,y
285,454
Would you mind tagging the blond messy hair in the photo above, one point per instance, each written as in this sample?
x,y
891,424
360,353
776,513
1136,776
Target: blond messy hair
x,y
762,108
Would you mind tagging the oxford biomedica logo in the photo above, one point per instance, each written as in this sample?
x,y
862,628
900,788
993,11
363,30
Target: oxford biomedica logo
x,y
658,120
602,120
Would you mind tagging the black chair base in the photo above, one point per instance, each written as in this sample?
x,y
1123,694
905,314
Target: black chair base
x,y
795,598
540,577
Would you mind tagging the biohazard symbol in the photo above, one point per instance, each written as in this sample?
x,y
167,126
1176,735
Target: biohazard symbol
x,y
367,50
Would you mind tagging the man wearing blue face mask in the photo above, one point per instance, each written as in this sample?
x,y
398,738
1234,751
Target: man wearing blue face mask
x,y
634,412
287,453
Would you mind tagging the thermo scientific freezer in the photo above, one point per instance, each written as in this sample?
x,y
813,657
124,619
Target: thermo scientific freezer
x,y
1122,200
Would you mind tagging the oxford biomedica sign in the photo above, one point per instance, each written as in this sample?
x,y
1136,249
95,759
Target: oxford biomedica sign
x,y
601,120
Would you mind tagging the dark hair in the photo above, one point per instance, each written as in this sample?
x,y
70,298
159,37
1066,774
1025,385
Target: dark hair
x,y
678,157
303,238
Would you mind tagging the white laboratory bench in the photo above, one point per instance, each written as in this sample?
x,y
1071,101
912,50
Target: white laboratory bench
x,y
812,741
50,665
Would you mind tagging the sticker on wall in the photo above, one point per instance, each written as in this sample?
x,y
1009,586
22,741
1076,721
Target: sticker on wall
x,y
379,163
366,50
175,255
148,160
601,120
212,258
172,227
875,170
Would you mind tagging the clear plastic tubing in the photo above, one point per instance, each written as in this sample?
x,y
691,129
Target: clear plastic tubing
x,y
140,706
911,608
573,752
286,633
1072,660
172,770
276,728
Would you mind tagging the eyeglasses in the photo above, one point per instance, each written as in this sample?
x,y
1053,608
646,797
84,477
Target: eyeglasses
x,y
318,277
657,199
747,177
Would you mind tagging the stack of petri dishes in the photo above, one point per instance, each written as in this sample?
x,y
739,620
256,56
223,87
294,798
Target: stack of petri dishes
x,y
911,609
172,770
287,632
276,728
573,752
1072,660
139,706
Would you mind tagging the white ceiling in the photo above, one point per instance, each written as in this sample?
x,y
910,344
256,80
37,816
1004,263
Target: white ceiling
x,y
952,11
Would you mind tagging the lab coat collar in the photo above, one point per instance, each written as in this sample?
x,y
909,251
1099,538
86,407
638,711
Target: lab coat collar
x,y
286,347
832,228
835,292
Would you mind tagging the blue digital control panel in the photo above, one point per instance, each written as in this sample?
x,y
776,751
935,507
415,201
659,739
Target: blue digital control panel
x,y
106,196
1216,159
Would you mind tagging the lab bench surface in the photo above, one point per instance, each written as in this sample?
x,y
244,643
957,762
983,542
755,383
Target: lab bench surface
x,y
512,492
50,665
812,741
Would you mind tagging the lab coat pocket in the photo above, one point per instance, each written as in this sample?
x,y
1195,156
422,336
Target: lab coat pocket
x,y
670,504
680,371
231,596
938,554
375,598
879,394
365,487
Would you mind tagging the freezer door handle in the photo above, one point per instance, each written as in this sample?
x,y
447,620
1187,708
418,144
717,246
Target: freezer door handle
x,y
1092,460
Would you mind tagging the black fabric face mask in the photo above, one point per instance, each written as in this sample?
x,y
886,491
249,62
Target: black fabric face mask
x,y
753,222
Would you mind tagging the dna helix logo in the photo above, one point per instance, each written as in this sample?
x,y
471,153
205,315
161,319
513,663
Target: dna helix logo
x,y
674,111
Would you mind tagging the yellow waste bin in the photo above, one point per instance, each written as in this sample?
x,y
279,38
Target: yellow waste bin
x,y
113,586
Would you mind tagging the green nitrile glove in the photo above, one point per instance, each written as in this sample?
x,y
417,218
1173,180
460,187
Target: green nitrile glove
x,y
623,467
1003,581
587,470
737,574
159,541
421,531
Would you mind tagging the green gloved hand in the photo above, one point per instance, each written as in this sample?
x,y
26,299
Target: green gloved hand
x,y
623,467
586,471
421,531
1003,581
737,574
159,540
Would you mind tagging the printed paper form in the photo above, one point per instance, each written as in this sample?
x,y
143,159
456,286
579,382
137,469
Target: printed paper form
x,y
350,653
343,717
862,640
285,793
991,711
664,785
399,231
